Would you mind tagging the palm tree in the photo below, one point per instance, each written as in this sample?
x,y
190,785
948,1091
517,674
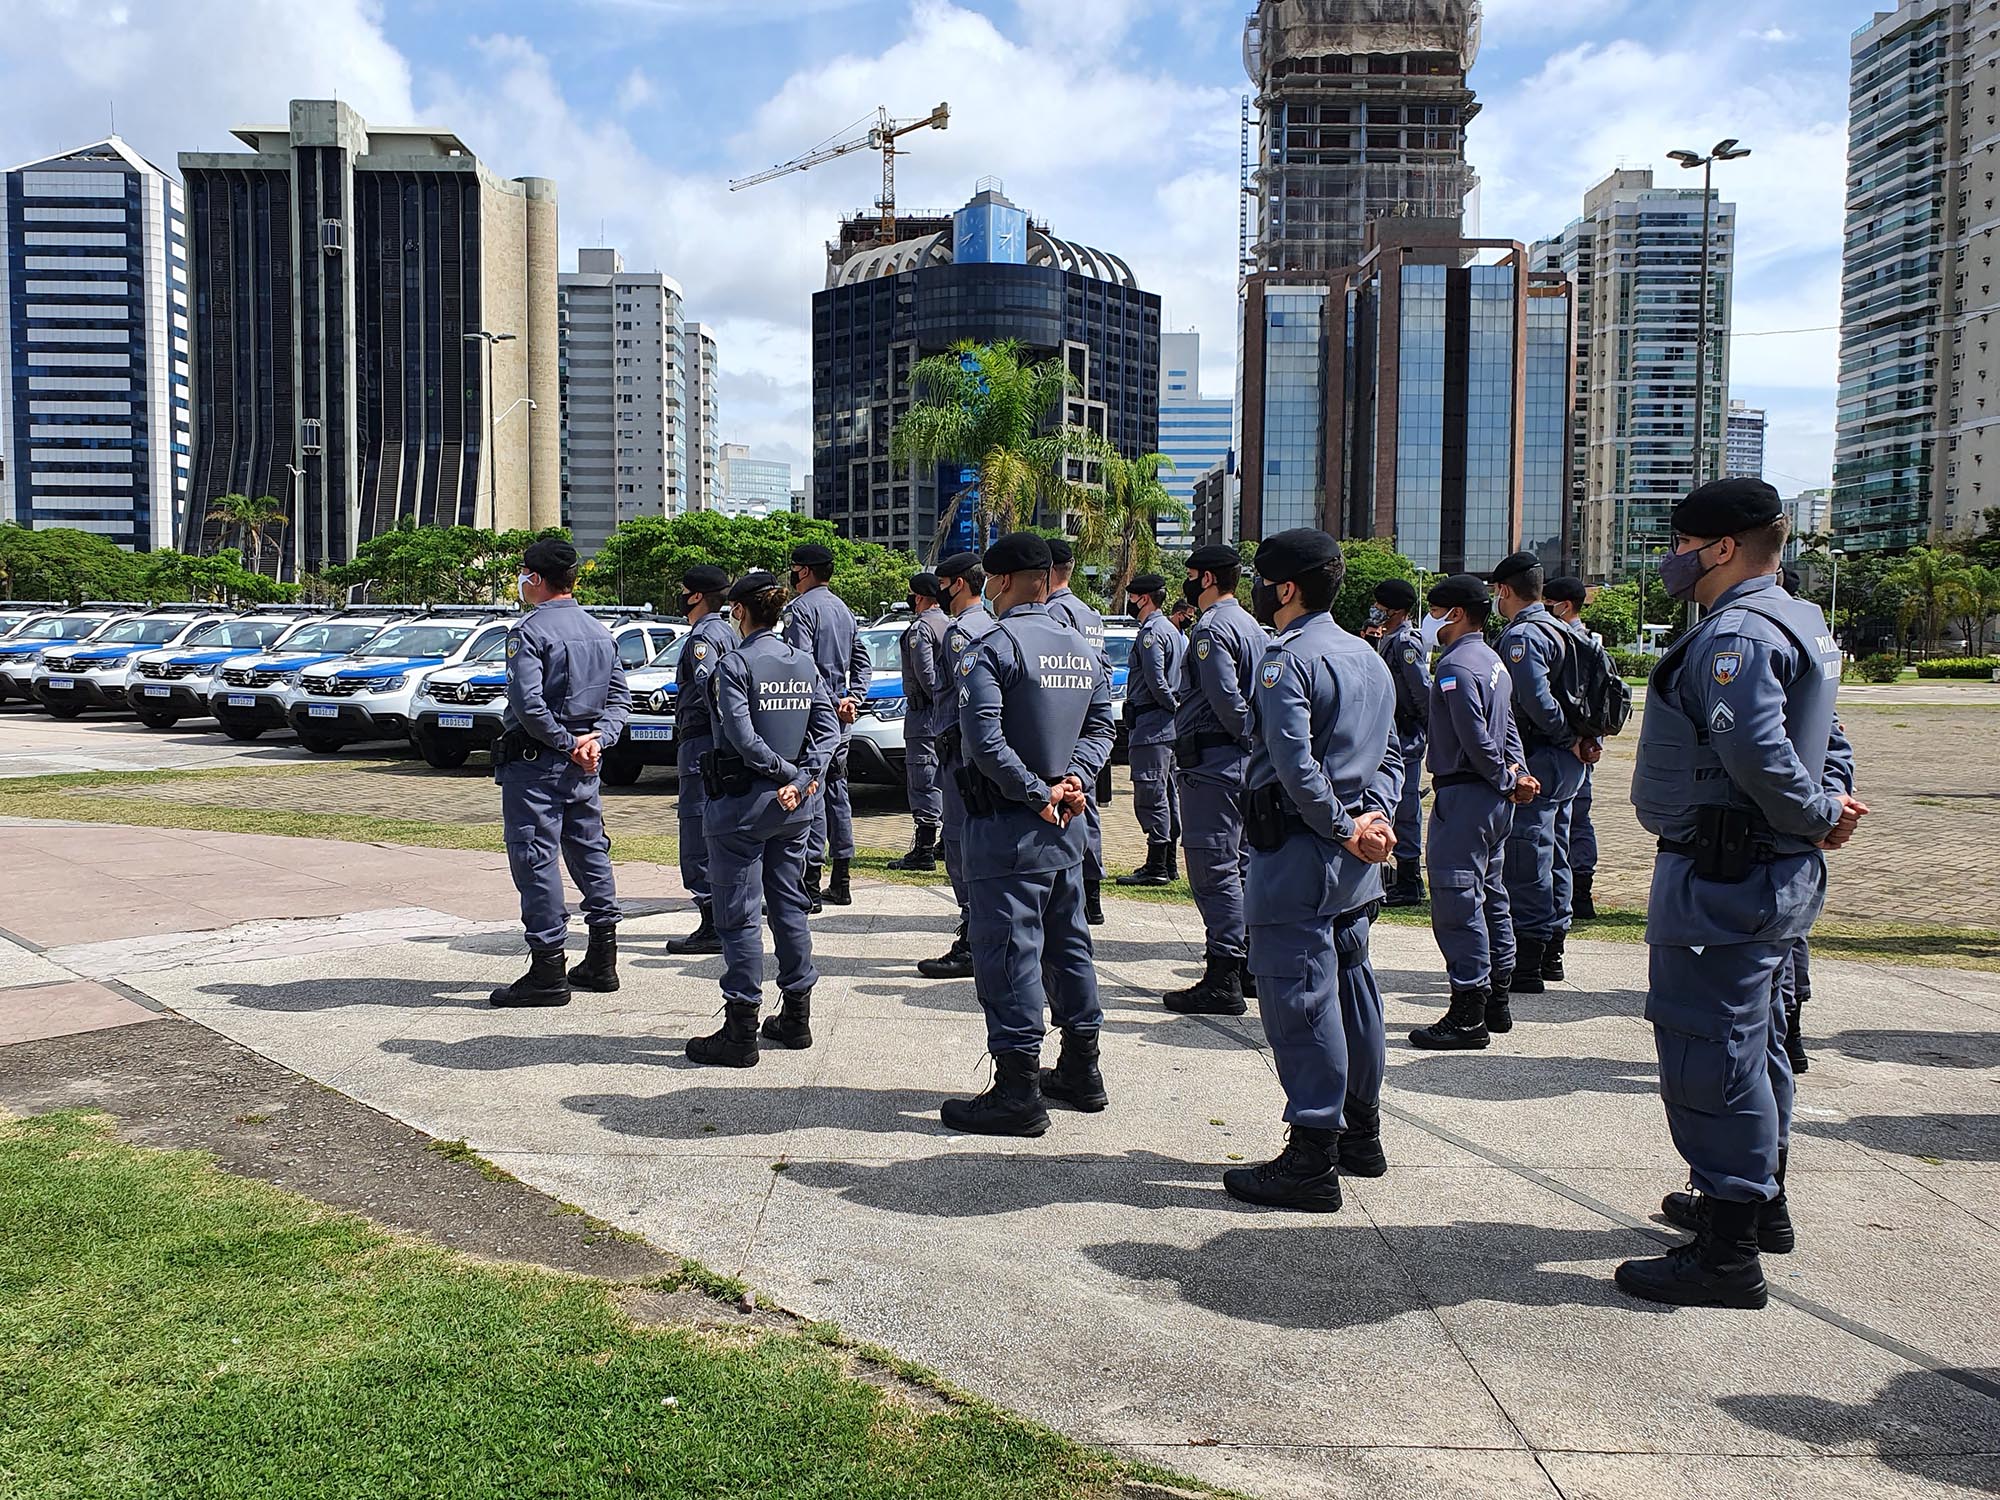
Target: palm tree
x,y
1981,601
982,408
1135,498
251,518
1936,581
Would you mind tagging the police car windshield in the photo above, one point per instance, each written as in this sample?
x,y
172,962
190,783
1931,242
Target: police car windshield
x,y
144,632
324,637
885,649
1119,649
417,640
492,648
8,622
670,653
59,628
237,634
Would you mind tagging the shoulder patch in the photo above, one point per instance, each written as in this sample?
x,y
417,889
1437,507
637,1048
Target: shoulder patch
x,y
1157,641
1410,655
1722,720
700,650
1727,665
965,667
1201,648
513,645
957,639
1516,651
1272,671
1447,682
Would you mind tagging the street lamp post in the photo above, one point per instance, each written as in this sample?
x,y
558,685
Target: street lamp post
x,y
1834,555
298,522
1727,150
492,459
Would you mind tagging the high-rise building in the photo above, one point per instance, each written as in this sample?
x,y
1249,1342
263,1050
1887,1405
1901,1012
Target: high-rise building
x,y
987,273
1745,456
1809,514
94,401
1195,432
753,486
1919,359
375,334
1214,519
1642,247
699,361
1362,107
624,435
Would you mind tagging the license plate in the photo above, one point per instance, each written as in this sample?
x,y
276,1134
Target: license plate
x,y
240,700
650,732
62,684
323,710
454,721
158,692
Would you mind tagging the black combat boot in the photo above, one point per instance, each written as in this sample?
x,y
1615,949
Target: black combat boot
x,y
1795,1041
1303,1176
1074,1080
1408,887
735,1046
1012,1106
704,939
1463,1028
1219,991
792,1026
1775,1235
1245,978
1361,1140
839,890
1552,958
1528,953
1093,902
923,853
1170,862
545,983
1719,1268
599,970
954,963
814,905
1581,906
1154,870
1499,1014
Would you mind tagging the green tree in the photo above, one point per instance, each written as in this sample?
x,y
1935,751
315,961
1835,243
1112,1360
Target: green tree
x,y
1369,563
1135,498
413,564
1981,603
61,562
252,518
1614,614
1934,581
219,578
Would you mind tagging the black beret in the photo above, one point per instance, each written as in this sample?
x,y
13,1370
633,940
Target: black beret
x,y
752,583
813,555
1727,507
1565,590
704,578
924,585
1214,555
1511,564
1061,553
1788,578
1018,552
1458,591
958,565
1146,583
549,554
1396,593
1281,558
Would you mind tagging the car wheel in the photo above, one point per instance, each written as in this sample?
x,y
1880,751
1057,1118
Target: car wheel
x,y
442,757
319,744
619,770
243,733
159,721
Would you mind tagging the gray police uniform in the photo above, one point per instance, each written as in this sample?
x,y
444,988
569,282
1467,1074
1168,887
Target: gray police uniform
x,y
712,638
922,714
1149,711
1739,719
772,710
1537,864
1795,973
817,623
1065,607
1474,749
1582,850
1326,751
1214,728
564,681
1034,706
1409,664
952,649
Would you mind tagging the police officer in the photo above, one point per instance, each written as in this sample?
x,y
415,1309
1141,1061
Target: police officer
x,y
1732,780
1214,728
1149,717
1795,973
1478,780
961,585
1089,624
1565,598
1403,648
1537,865
566,705
1035,726
776,730
819,624
924,700
1324,777
703,601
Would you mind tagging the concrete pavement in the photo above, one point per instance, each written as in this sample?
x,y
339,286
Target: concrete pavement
x,y
1454,1329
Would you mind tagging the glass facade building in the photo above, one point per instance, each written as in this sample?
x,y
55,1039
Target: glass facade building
x,y
1195,432
95,412
1292,411
1745,458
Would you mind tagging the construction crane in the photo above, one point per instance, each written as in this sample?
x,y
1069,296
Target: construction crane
x,y
881,136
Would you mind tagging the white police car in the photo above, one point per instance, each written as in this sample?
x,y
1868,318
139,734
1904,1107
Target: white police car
x,y
649,738
174,684
370,694
61,628
249,695
95,673
14,613
875,749
457,709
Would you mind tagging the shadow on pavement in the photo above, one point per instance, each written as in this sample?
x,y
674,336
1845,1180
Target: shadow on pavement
x,y
1956,1138
726,1109
976,1183
306,995
497,1053
1920,1423
1930,1049
1501,1076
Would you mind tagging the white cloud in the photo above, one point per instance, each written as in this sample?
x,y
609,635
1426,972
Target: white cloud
x,y
1772,34
637,90
1506,19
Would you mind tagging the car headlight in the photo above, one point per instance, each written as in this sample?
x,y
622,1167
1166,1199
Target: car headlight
x,y
387,685
889,708
423,693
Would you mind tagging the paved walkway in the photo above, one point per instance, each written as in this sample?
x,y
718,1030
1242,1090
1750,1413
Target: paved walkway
x,y
1454,1331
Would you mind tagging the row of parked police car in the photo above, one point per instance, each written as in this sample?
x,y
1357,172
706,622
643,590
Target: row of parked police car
x,y
433,677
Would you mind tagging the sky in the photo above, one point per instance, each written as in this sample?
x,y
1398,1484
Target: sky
x,y
1116,121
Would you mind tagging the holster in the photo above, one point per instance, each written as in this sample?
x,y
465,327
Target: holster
x,y
724,773
981,796
516,744
1268,818
1724,843
1190,748
949,741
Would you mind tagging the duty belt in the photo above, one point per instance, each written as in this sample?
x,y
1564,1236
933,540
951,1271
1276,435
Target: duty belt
x,y
1461,778
1269,818
1190,748
518,744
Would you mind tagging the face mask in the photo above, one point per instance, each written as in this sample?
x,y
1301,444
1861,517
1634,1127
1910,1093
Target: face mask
x,y
740,621
1377,614
1682,572
687,604
1191,591
798,582
521,586
1429,630
1264,602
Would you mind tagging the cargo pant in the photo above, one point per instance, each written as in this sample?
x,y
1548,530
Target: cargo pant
x,y
1031,953
550,812
757,872
1212,825
920,780
1464,856
1155,799
690,804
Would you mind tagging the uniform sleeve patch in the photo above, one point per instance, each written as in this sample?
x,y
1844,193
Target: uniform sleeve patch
x,y
1271,672
1516,651
513,645
1157,641
964,695
1721,721
1410,655
1727,665
1201,649
700,651
965,667
1448,682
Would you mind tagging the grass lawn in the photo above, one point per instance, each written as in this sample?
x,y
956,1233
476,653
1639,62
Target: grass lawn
x,y
168,1330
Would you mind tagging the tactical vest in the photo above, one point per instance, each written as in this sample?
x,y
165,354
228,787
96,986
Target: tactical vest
x,y
1042,713
692,714
1085,621
782,683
